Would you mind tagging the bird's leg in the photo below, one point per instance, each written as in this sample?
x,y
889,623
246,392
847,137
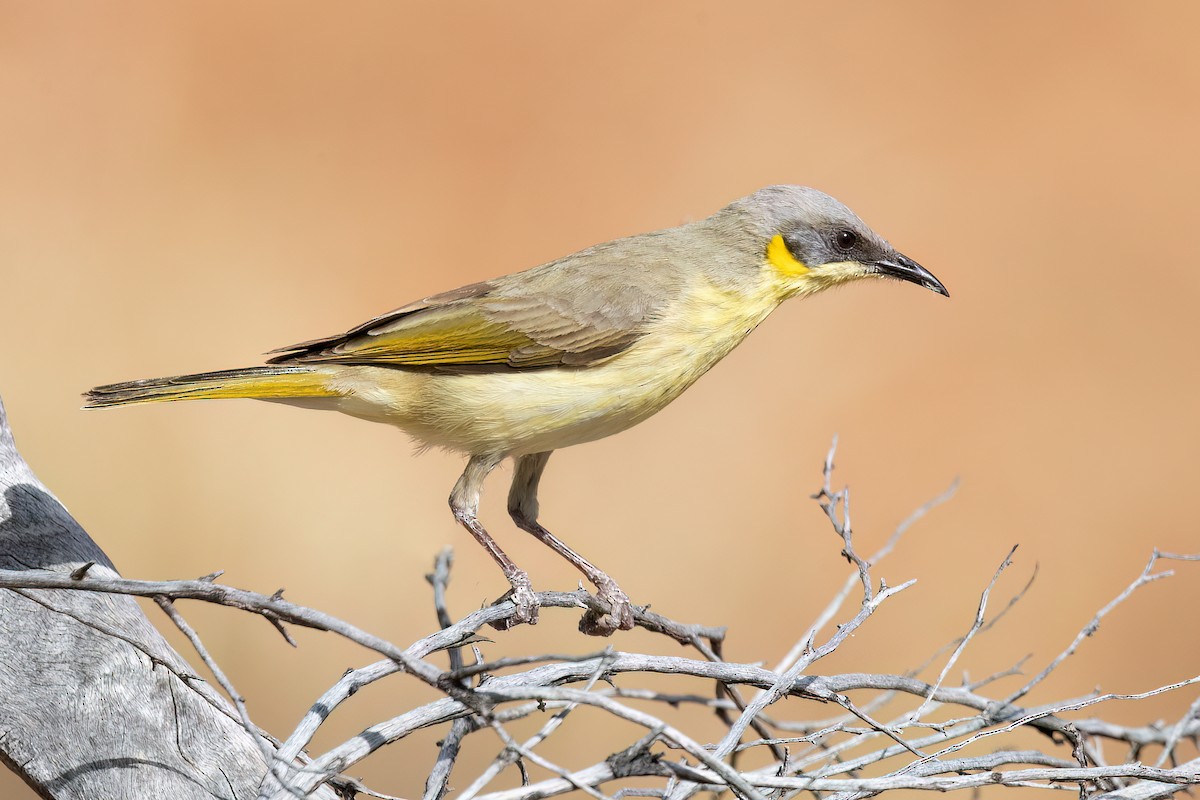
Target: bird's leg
x,y
523,507
464,502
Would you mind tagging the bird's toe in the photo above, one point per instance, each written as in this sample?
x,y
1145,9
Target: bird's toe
x,y
617,617
525,608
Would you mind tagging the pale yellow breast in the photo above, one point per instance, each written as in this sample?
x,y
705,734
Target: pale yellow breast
x,y
532,411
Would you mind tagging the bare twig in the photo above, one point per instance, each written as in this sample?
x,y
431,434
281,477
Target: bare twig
x,y
1177,732
976,626
239,702
1148,576
513,749
922,754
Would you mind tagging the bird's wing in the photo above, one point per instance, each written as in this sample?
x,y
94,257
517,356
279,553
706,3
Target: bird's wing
x,y
540,318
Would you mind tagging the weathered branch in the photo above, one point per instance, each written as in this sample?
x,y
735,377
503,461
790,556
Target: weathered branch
x,y
96,703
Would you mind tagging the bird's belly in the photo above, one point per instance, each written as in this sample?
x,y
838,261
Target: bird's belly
x,y
557,408
515,413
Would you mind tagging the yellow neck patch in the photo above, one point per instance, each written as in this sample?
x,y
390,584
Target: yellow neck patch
x,y
782,259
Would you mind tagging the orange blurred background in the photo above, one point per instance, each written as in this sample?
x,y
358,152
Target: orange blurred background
x,y
186,185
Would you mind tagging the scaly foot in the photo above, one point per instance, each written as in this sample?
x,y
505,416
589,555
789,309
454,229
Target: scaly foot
x,y
619,616
526,602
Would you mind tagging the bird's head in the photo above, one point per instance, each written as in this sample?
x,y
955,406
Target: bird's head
x,y
810,242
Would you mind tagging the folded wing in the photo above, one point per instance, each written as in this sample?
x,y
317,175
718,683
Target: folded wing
x,y
542,318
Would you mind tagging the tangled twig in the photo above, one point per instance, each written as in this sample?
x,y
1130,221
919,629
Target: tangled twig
x,y
909,751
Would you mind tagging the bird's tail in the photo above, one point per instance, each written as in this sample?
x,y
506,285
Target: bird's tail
x,y
277,382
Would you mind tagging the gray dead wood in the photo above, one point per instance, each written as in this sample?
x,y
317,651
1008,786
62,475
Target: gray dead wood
x,y
95,703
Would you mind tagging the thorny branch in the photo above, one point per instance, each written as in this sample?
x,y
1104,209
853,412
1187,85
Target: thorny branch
x,y
916,749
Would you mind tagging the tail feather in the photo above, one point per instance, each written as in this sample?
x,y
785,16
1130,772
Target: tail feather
x,y
266,383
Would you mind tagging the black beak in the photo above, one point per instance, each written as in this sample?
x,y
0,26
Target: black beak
x,y
904,268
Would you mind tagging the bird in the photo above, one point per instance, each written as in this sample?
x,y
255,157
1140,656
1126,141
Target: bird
x,y
568,352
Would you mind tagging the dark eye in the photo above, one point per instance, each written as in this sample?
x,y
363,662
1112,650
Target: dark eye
x,y
845,240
